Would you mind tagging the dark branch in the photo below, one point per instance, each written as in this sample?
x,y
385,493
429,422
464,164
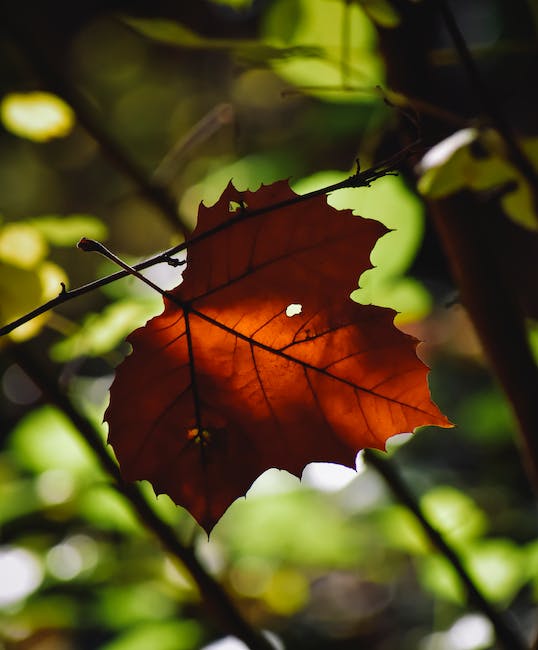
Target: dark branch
x,y
505,631
215,599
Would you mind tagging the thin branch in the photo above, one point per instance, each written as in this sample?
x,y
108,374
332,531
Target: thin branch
x,y
359,179
66,296
217,602
221,115
506,633
399,99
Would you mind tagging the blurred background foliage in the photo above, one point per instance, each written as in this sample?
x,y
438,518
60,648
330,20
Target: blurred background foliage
x,y
191,97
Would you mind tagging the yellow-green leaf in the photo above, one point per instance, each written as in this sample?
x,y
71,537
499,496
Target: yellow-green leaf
x,y
38,116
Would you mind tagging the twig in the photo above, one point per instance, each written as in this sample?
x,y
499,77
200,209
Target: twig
x,y
505,631
216,118
359,179
217,602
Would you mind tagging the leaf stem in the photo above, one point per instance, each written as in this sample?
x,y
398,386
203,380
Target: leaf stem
x,y
215,599
506,632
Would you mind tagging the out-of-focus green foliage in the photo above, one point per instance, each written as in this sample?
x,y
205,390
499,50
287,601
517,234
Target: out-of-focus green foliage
x,y
169,635
329,562
65,231
319,23
101,333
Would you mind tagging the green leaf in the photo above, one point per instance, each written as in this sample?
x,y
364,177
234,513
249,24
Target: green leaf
x,y
454,514
381,12
452,165
170,32
126,606
107,510
100,333
320,23
400,529
267,524
438,576
45,439
67,230
169,635
37,116
21,245
497,567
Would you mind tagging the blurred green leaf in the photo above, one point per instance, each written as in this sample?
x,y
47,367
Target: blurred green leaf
x,y
400,529
438,576
169,635
174,33
38,116
101,333
21,245
497,567
106,509
320,22
473,159
67,230
45,439
381,12
291,528
287,591
125,606
454,514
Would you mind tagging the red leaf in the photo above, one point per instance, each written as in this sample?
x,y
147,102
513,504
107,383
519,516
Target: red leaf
x,y
224,385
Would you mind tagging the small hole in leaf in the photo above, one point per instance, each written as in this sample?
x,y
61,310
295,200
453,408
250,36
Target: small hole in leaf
x,y
293,309
234,206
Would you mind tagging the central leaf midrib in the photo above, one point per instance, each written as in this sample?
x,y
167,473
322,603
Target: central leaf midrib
x,y
303,364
